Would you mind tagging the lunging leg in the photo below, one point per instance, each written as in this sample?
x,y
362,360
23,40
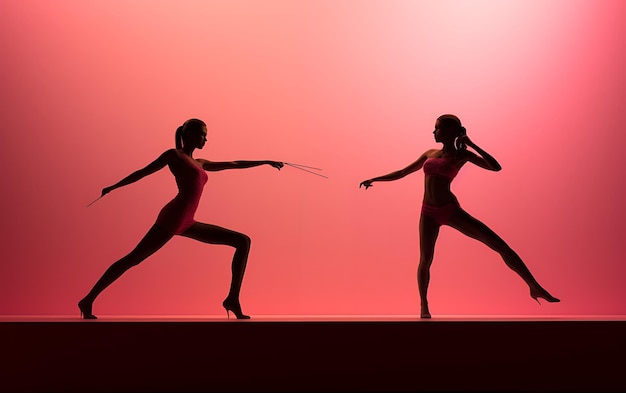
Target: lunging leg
x,y
151,242
474,228
214,234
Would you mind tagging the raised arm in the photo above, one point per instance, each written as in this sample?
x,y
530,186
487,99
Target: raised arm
x,y
399,174
484,159
214,166
152,167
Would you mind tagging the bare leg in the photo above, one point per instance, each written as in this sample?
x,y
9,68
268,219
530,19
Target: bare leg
x,y
214,234
429,231
473,228
151,242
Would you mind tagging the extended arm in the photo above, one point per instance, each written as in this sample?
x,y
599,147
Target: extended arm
x,y
399,174
239,164
154,166
484,160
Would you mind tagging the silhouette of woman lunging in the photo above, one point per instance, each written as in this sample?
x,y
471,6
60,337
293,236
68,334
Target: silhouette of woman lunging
x,y
441,207
177,217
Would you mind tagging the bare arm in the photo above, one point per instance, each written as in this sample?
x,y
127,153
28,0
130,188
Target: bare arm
x,y
484,160
399,174
214,166
149,169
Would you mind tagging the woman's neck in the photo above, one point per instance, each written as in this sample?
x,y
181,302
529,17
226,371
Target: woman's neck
x,y
447,148
188,151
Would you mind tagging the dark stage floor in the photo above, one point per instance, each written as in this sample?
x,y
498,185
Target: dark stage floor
x,y
313,354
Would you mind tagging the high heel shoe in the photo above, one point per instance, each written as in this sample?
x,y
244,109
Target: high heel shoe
x,y
235,307
85,310
542,293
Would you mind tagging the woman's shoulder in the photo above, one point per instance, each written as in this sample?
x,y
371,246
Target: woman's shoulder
x,y
432,153
170,154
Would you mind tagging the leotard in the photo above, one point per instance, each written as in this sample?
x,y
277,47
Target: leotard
x,y
178,215
445,167
441,166
442,213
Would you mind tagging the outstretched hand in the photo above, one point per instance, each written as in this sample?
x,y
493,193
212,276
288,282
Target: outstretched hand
x,y
366,184
276,164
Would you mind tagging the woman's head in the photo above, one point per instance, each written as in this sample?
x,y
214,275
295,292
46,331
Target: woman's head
x,y
448,128
192,131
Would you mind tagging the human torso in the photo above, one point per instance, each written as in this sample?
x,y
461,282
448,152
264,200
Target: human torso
x,y
178,215
190,176
439,171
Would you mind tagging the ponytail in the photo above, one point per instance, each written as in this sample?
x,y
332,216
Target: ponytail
x,y
179,137
460,145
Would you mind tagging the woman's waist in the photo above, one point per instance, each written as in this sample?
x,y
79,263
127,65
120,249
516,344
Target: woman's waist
x,y
184,201
189,195
440,200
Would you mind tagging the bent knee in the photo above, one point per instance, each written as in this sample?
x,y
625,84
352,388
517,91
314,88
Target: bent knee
x,y
242,241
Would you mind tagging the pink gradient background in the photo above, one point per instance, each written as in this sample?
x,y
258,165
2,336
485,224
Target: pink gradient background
x,y
93,90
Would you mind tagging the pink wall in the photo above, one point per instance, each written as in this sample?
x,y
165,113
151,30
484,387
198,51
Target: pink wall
x,y
93,90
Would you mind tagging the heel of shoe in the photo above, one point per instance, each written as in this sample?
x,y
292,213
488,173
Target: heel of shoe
x,y
543,294
85,311
235,308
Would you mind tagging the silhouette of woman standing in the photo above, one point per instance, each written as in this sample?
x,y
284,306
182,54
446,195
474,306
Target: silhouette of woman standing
x,y
441,207
177,217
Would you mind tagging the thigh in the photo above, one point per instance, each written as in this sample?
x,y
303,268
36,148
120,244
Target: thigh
x,y
474,228
213,234
150,243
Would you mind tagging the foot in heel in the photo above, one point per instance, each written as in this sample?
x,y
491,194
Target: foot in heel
x,y
235,307
537,293
85,310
